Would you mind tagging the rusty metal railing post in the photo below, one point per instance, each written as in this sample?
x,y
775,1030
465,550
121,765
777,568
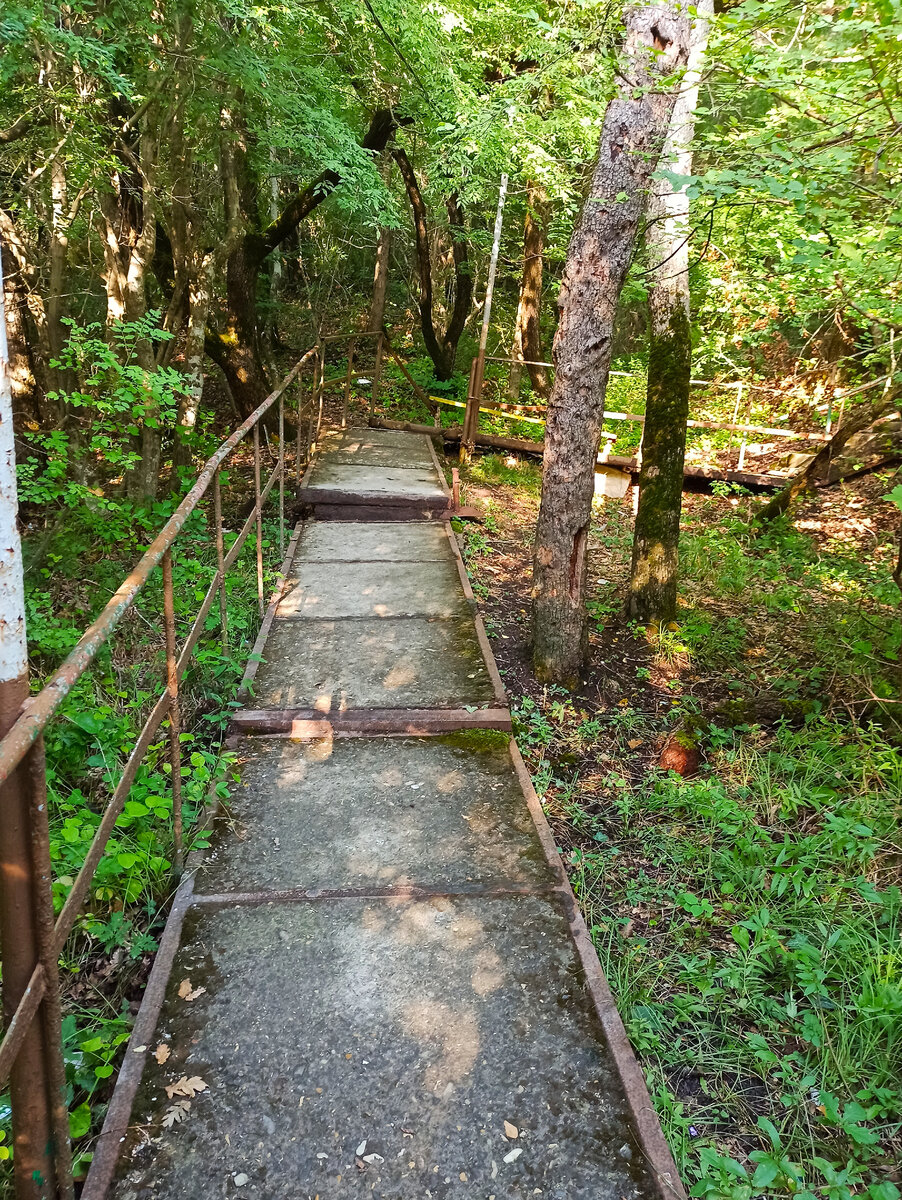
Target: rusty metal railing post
x,y
319,391
471,415
220,562
51,1006
347,397
300,421
281,477
29,1081
175,716
258,513
377,374
744,443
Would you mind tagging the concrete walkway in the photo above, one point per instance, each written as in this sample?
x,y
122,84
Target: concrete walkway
x,y
382,985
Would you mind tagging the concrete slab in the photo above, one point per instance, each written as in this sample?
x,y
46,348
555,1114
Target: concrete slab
x,y
409,662
353,541
412,485
442,812
382,437
329,590
362,451
417,1028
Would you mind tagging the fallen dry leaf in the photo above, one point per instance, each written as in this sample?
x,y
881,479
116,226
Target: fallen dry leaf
x,y
187,992
186,1086
634,742
511,1131
162,1052
627,929
176,1113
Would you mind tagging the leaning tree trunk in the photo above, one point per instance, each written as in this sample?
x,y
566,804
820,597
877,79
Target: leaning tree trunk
x,y
237,349
527,334
653,576
441,347
818,468
600,252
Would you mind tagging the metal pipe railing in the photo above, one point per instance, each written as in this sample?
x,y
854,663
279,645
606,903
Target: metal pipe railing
x,y
514,412
42,1159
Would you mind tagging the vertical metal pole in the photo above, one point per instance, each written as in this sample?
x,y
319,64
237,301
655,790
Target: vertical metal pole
x,y
51,1008
319,392
377,375
466,442
281,477
220,562
472,402
344,410
259,514
745,439
175,716
29,1081
298,445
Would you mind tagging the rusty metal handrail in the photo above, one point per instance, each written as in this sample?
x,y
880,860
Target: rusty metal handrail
x,y
43,1151
19,740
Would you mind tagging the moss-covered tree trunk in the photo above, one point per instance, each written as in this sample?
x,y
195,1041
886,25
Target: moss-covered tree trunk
x,y
653,577
600,252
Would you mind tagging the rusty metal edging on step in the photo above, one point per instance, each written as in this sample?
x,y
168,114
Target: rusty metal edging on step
x,y
649,1133
481,636
307,724
443,482
119,1113
275,600
401,891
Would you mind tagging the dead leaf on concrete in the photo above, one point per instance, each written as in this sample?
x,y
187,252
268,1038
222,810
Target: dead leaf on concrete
x,y
186,1086
162,1052
187,992
176,1113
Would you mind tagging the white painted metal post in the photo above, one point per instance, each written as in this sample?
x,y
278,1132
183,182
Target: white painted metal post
x,y
13,646
471,418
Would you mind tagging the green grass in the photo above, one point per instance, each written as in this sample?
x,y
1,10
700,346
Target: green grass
x,y
749,923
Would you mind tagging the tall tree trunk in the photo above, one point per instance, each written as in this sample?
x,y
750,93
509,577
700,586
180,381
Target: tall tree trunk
x,y
200,294
600,252
527,334
21,373
17,255
380,281
57,334
653,575
130,227
441,347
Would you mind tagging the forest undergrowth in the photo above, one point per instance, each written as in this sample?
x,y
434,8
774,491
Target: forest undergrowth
x,y
747,915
